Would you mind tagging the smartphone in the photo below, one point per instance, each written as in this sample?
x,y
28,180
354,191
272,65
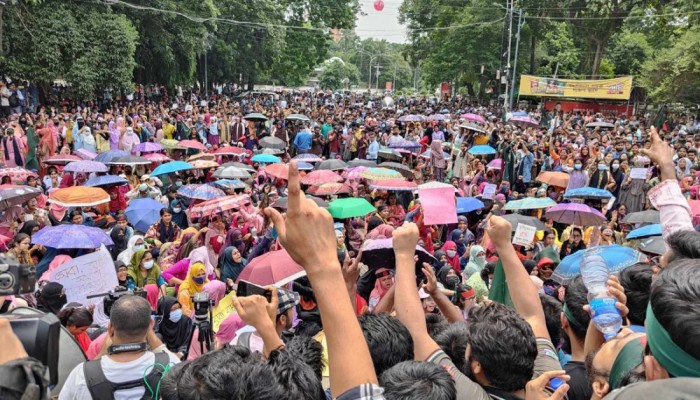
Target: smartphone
x,y
249,289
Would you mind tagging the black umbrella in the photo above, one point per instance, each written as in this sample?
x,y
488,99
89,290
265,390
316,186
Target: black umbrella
x,y
516,219
653,245
642,217
362,163
272,142
282,202
333,165
400,168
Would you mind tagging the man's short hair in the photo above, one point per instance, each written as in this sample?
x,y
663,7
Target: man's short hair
x,y
131,317
575,298
683,244
453,341
417,380
435,323
388,340
636,280
552,316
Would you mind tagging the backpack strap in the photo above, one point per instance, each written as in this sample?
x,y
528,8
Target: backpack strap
x,y
156,374
97,383
103,389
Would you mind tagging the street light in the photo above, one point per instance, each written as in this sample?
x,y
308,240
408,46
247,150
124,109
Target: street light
x,y
371,58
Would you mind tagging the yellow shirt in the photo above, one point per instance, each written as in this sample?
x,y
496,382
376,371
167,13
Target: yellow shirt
x,y
168,131
481,139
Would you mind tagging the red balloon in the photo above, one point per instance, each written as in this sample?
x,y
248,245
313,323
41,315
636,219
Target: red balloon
x,y
379,5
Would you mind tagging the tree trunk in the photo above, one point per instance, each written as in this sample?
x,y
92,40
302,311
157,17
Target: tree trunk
x,y
533,46
595,69
2,25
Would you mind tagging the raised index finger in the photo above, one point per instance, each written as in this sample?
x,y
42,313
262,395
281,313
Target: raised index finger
x,y
294,190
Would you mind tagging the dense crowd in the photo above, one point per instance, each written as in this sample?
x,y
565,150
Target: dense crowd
x,y
317,198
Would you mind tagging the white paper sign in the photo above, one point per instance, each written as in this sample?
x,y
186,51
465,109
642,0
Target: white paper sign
x,y
489,191
611,202
92,273
524,234
638,173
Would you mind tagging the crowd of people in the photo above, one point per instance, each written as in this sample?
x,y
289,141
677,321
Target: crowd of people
x,y
451,311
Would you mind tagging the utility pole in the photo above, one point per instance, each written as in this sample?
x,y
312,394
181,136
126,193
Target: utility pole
x,y
377,67
369,80
393,81
509,11
515,60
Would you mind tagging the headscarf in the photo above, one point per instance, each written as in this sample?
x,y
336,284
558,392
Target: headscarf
x,y
461,247
378,292
175,334
66,181
201,255
685,172
229,268
55,263
51,300
437,158
475,264
12,214
189,284
126,255
28,227
383,231
120,242
234,238
228,328
47,140
453,261
120,202
216,290
134,270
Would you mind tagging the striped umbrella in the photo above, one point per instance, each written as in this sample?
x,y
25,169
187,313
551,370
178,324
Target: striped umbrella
x,y
328,189
230,184
200,192
354,173
393,184
380,174
218,205
157,157
320,177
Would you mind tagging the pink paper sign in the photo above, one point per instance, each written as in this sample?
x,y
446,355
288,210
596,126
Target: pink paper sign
x,y
438,206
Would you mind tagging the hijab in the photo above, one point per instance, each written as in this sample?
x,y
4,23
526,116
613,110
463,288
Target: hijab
x,y
453,261
51,299
216,290
378,292
175,334
475,264
461,247
383,231
28,227
118,236
135,270
47,140
229,268
126,255
234,238
228,327
201,255
189,284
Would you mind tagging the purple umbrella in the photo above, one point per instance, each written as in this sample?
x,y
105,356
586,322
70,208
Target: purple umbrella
x,y
438,117
412,118
472,117
404,144
85,154
496,163
85,166
71,237
148,147
575,214
524,121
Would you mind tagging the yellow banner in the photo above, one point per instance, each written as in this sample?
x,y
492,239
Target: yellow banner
x,y
222,310
613,89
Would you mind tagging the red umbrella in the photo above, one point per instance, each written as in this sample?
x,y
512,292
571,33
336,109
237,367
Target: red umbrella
x,y
217,205
18,175
229,151
320,177
393,184
157,157
280,171
328,189
61,159
274,268
192,144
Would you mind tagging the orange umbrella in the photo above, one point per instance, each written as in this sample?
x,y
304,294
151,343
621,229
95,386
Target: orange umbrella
x,y
202,156
200,164
280,171
558,179
79,196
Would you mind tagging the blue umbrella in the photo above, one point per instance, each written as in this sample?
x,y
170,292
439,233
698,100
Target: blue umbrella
x,y
645,232
588,193
530,203
483,149
618,258
468,204
110,155
427,154
106,181
142,213
519,114
170,167
266,158
304,166
230,184
70,236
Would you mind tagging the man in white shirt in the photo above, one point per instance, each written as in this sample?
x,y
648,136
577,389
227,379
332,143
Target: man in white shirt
x,y
127,358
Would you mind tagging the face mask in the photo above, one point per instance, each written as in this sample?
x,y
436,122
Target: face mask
x,y
178,183
451,253
176,315
578,166
253,232
177,210
451,281
148,264
601,167
615,167
199,280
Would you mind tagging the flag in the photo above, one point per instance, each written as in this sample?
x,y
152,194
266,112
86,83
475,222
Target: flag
x,y
499,288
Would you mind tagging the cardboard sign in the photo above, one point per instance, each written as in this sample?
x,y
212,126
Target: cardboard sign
x,y
438,206
90,274
524,234
639,173
489,191
222,310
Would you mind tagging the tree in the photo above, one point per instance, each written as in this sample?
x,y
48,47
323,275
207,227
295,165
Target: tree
x,y
561,56
337,74
628,52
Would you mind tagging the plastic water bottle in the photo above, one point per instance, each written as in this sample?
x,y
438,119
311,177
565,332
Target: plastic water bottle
x,y
594,271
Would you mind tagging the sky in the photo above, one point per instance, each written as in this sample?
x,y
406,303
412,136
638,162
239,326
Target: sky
x,y
380,24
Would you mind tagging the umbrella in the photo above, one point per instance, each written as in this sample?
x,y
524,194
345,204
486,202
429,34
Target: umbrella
x,y
142,213
597,124
617,257
333,165
575,214
231,173
645,232
230,184
642,217
282,202
524,121
171,144
428,153
411,118
362,163
11,195
79,196
309,158
558,179
379,253
438,117
530,203
274,268
85,154
483,149
393,184
404,144
473,117
354,172
695,210
587,193
280,171
200,192
350,207
297,117
70,236
157,157
218,205
130,160
229,151
496,163
106,181
472,127
266,158
435,185
391,154
171,167
320,177
61,159
516,219
148,147
519,114
304,166
202,164
400,168
85,166
272,151
654,245
192,144
378,174
272,142
468,204
109,155
255,117
240,165
328,189
18,175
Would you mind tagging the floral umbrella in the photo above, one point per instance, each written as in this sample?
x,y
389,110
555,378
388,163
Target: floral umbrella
x,y
320,177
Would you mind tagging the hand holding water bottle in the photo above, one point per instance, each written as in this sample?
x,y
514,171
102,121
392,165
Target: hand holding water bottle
x,y
604,294
616,291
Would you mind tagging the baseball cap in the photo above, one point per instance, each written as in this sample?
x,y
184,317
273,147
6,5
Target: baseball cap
x,y
287,299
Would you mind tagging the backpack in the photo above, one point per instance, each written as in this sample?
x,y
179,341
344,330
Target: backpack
x,y
101,388
14,100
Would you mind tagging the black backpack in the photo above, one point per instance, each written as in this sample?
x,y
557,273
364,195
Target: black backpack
x,y
101,388
14,100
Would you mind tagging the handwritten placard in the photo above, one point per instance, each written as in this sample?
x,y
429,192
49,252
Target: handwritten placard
x,y
524,234
92,273
489,191
438,206
222,310
638,173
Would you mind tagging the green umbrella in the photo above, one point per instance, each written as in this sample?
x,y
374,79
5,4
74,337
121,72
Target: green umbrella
x,y
255,117
350,207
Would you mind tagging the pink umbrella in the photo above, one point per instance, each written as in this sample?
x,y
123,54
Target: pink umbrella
x,y
472,117
354,173
218,205
320,177
18,175
274,268
61,159
229,151
495,164
148,147
280,171
525,121
393,184
157,157
575,214
85,154
192,144
328,189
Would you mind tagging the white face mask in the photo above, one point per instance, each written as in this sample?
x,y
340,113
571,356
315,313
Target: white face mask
x,y
615,167
139,247
451,253
601,167
578,166
175,316
148,264
177,210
